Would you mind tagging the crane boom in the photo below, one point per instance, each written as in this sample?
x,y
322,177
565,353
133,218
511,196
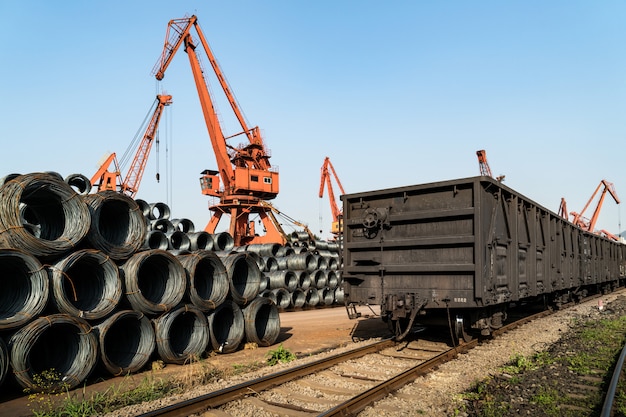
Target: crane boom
x,y
104,179
246,175
325,181
591,224
483,165
130,186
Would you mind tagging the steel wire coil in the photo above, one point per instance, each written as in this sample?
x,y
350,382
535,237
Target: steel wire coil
x,y
264,249
262,322
302,261
328,253
304,279
298,298
332,279
270,264
264,283
244,277
126,342
328,296
25,288
322,262
319,279
339,295
312,297
207,279
223,241
284,278
300,236
260,261
182,335
144,206
200,241
333,247
86,284
179,241
226,326
155,281
183,225
156,239
333,263
117,227
163,225
281,298
8,178
159,210
267,293
54,209
58,342
80,183
320,245
4,361
281,262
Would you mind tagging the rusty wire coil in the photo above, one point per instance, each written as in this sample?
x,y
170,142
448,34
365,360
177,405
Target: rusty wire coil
x,y
200,241
244,276
298,298
4,361
117,227
80,183
207,279
262,322
8,178
281,297
58,342
312,297
126,342
223,241
156,239
86,284
25,288
155,281
42,215
182,335
284,278
226,326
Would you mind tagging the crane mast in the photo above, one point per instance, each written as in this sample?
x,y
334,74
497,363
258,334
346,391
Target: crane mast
x,y
483,165
104,179
577,218
246,175
325,181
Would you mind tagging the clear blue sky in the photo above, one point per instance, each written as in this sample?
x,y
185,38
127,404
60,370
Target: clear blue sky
x,y
395,93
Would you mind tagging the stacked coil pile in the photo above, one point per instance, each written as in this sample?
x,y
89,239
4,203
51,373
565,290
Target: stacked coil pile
x,y
99,281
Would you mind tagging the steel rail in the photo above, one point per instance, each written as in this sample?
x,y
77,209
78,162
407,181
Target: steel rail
x,y
607,408
359,402
223,396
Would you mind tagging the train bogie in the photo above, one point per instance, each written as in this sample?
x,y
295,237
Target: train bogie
x,y
462,251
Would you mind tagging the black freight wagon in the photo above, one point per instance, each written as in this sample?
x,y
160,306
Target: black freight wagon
x,y
460,252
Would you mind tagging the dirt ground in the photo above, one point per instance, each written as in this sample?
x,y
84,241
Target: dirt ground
x,y
303,332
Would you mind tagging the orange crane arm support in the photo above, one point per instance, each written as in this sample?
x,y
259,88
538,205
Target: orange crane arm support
x,y
130,186
325,180
608,187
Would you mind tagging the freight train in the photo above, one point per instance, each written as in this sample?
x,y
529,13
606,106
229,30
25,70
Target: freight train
x,y
462,252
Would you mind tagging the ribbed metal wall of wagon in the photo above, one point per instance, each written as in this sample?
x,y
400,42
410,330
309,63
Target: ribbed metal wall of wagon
x,y
462,252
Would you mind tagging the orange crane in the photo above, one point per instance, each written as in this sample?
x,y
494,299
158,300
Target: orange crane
x,y
485,170
590,224
325,181
104,179
246,175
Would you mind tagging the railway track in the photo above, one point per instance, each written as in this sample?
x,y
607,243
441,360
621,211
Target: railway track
x,y
340,385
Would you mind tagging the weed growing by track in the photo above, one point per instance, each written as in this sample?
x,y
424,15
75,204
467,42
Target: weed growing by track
x,y
569,379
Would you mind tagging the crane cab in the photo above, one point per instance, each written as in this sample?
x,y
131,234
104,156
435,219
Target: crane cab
x,y
210,182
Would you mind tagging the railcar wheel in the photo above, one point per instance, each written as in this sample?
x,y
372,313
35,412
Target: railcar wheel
x,y
461,332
